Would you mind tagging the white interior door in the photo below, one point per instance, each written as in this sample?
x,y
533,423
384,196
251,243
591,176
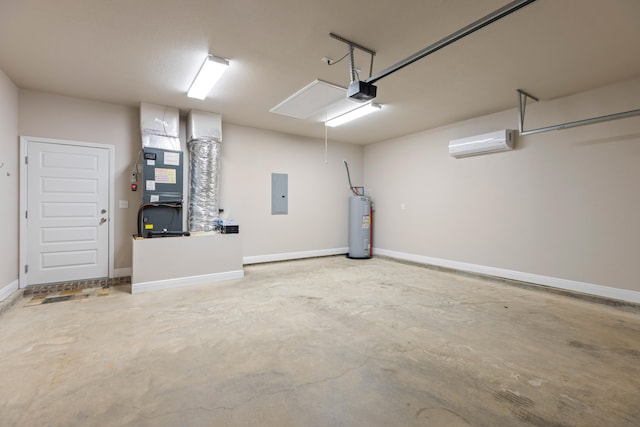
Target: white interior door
x,y
67,219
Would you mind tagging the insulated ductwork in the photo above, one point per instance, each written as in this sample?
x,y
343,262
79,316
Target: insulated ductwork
x,y
204,135
159,127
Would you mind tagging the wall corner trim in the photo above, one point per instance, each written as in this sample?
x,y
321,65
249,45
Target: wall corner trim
x,y
554,282
123,272
257,259
9,289
204,279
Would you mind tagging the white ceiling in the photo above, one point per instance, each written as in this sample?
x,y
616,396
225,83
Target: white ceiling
x,y
132,51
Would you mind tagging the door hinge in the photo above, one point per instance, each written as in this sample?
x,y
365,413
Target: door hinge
x,y
26,269
26,214
26,160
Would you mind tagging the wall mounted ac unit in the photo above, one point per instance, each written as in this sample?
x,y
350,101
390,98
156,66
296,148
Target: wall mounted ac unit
x,y
501,140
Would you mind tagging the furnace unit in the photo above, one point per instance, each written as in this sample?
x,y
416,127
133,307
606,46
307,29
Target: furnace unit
x,y
162,193
160,213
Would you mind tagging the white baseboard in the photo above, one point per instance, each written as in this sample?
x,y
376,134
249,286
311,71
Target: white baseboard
x,y
9,289
293,255
123,272
554,282
137,288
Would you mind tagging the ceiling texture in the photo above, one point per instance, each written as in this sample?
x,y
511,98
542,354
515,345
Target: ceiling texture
x,y
132,51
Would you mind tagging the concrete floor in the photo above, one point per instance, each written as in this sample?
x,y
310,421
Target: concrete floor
x,y
323,342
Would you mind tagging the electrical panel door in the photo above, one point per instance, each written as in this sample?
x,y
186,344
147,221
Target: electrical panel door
x,y
279,194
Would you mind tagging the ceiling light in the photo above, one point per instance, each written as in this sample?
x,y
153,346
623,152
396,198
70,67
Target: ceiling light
x,y
208,75
353,114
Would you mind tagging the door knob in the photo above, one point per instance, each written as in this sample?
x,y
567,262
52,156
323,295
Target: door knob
x,y
103,220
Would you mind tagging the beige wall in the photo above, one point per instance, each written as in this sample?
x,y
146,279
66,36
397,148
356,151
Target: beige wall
x,y
62,117
564,204
318,192
8,181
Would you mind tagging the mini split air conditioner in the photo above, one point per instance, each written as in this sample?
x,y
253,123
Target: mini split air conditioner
x,y
501,140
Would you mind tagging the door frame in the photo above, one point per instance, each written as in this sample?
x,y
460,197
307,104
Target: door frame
x,y
24,141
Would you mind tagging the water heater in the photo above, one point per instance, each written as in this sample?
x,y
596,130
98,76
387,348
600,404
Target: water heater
x,y
359,226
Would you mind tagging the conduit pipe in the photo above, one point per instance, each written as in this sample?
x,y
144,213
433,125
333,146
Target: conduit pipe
x,y
463,32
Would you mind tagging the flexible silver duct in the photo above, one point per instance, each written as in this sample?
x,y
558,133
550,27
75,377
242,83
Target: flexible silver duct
x,y
203,192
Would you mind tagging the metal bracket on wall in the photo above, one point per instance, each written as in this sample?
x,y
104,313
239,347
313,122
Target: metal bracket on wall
x,y
522,105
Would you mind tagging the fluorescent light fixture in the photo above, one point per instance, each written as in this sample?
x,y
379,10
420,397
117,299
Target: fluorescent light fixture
x,y
208,75
353,114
